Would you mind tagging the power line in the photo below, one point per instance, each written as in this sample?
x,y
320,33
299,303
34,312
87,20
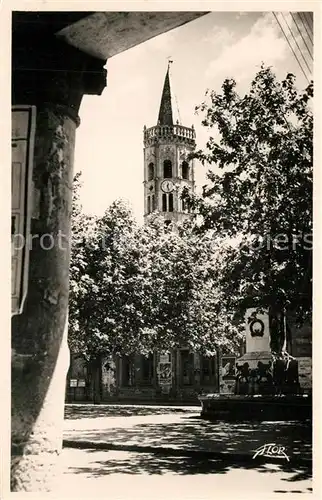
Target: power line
x,y
299,48
309,15
300,51
291,47
304,24
298,29
309,21
178,110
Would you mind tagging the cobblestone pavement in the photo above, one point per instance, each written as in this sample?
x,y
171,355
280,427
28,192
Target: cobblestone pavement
x,y
180,429
129,475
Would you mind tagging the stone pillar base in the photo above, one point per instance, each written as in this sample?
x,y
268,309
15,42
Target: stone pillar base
x,y
265,373
254,373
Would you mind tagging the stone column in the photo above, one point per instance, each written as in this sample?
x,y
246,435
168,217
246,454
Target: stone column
x,y
220,381
216,374
155,374
197,370
52,76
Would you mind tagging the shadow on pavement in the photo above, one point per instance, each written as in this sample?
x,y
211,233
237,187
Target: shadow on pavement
x,y
196,436
149,463
73,412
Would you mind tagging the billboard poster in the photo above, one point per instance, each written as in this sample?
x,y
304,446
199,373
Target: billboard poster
x,y
305,372
165,373
228,369
23,127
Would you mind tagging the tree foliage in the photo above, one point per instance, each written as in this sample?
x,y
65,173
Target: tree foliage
x,y
258,199
139,288
185,302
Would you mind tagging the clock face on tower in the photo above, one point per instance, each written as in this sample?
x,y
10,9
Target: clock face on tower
x,y
167,186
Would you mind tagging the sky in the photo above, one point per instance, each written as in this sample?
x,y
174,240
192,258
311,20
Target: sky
x,y
219,45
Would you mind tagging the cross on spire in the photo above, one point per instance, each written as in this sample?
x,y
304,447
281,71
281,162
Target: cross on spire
x,y
168,112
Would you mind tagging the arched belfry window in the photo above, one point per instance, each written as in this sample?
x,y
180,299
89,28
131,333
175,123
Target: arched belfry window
x,y
167,169
150,171
164,202
170,202
185,170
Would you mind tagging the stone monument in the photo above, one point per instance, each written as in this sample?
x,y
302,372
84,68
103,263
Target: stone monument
x,y
267,377
266,368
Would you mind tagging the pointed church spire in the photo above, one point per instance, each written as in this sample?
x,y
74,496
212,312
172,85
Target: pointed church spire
x,y
168,113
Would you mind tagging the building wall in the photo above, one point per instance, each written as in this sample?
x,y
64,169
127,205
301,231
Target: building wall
x,y
137,378
179,376
301,349
77,385
174,148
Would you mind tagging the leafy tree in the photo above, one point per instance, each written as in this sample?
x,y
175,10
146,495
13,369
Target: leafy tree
x,y
82,227
103,261
258,200
185,304
136,289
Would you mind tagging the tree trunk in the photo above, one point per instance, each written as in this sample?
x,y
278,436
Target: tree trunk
x,y
277,321
96,379
219,358
216,370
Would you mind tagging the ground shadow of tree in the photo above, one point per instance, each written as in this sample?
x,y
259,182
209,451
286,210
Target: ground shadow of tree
x,y
73,412
158,464
197,435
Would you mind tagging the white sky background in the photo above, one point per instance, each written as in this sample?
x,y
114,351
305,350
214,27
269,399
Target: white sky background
x,y
109,141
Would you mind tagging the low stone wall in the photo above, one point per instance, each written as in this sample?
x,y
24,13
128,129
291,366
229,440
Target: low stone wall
x,y
230,407
150,393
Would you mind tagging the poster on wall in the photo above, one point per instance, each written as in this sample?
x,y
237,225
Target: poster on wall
x,y
305,372
228,367
164,371
164,358
23,127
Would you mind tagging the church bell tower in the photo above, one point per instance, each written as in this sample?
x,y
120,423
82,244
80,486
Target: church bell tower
x,y
167,169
